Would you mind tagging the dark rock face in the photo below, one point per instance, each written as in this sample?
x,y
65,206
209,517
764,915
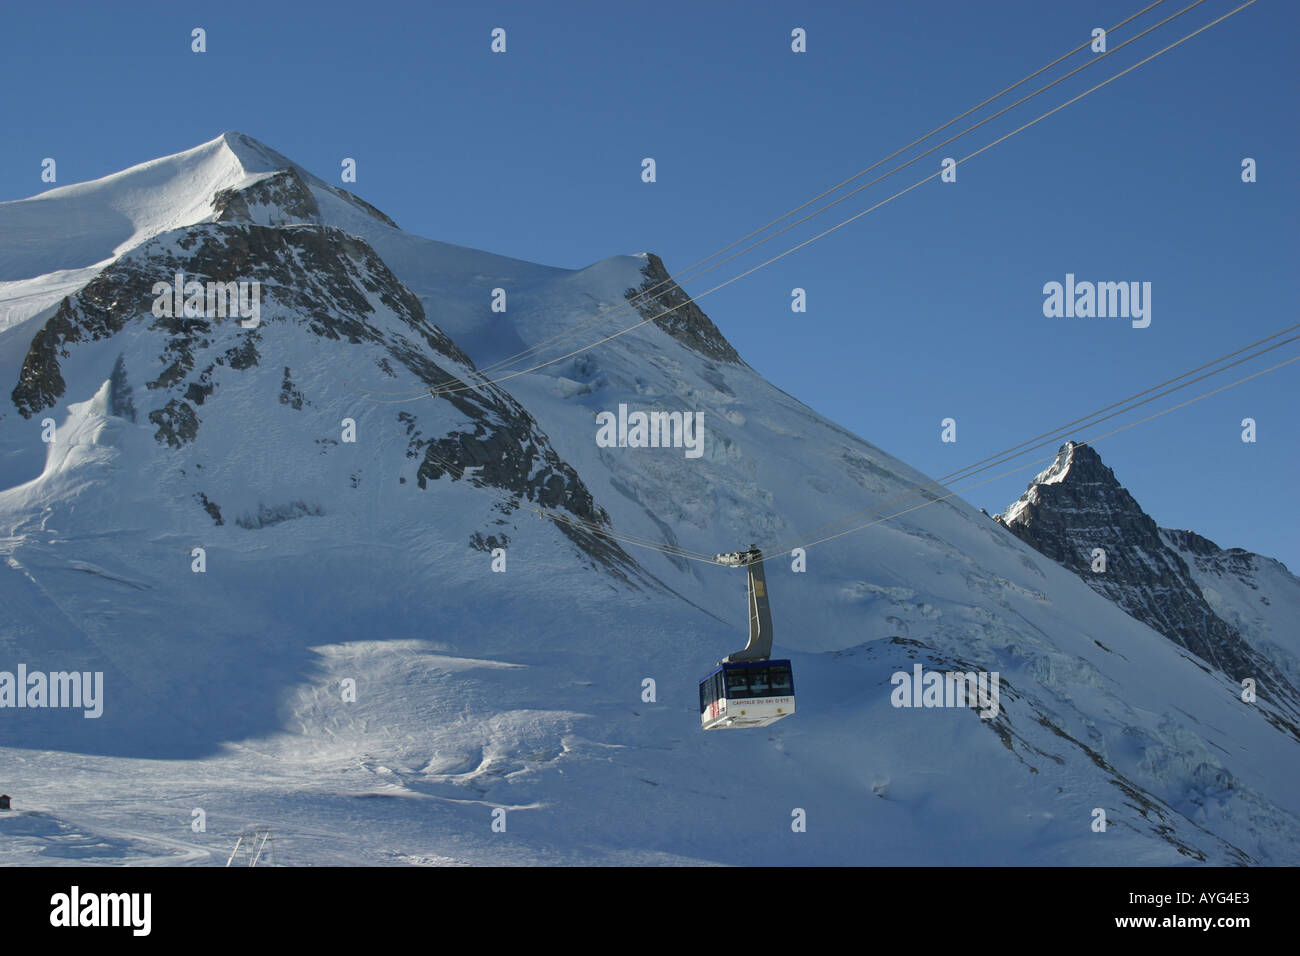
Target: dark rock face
x,y
285,196
177,423
686,323
88,319
1077,505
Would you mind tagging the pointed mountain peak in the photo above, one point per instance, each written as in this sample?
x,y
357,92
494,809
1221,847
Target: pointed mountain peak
x,y
233,176
1077,473
286,184
89,224
1074,462
276,182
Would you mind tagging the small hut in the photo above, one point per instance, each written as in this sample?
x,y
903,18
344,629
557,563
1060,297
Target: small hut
x,y
4,801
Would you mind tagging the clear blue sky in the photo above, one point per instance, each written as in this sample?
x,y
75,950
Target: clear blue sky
x,y
927,308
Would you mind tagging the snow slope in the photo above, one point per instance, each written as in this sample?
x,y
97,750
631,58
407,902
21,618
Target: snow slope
x,y
88,224
478,690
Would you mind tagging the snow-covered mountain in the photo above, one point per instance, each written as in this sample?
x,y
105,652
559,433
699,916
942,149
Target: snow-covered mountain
x,y
1233,609
348,667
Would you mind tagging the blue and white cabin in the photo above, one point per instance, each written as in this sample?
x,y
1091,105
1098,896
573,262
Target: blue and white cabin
x,y
739,694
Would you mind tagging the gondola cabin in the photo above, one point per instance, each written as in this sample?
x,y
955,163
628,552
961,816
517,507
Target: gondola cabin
x,y
739,694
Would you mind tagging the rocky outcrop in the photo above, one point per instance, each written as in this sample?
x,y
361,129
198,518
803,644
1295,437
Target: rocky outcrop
x,y
278,200
661,300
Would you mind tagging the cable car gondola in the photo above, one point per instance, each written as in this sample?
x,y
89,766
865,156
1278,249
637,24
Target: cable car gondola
x,y
746,689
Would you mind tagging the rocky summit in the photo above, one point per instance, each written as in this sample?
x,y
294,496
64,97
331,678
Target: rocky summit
x,y
1078,514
